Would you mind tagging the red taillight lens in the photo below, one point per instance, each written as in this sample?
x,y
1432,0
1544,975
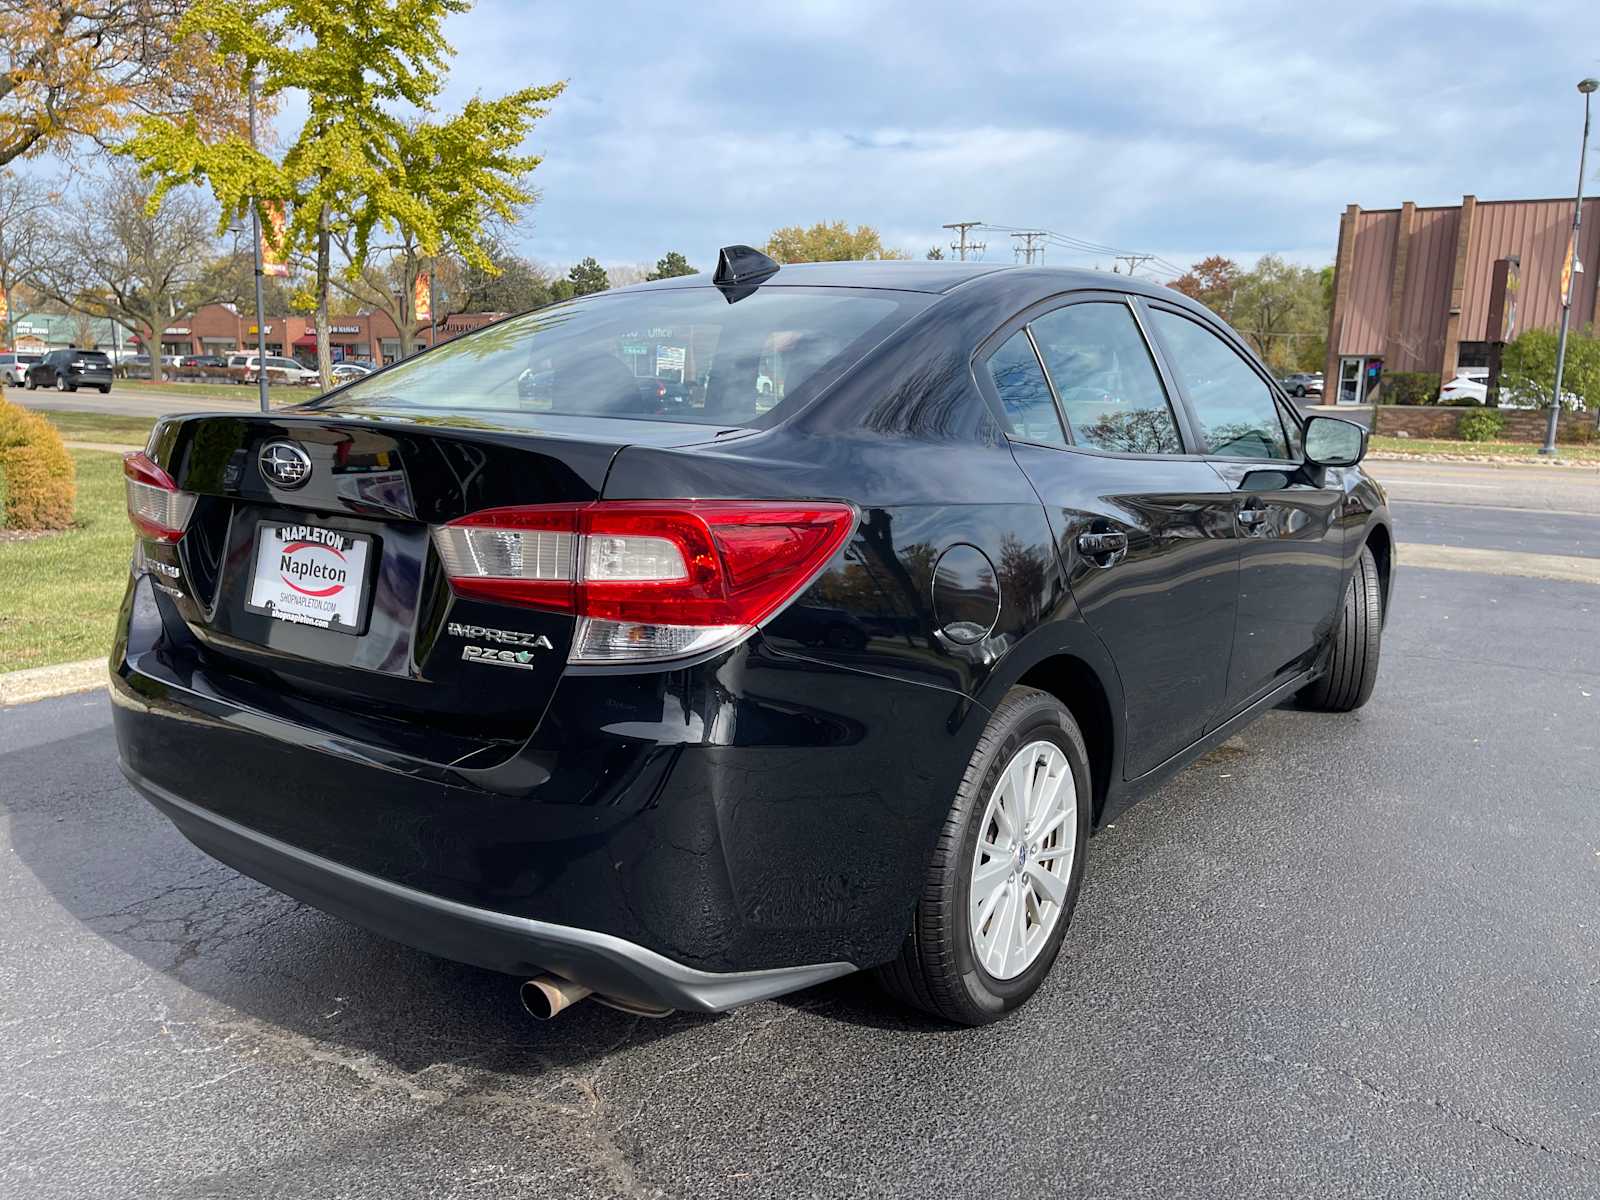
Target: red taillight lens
x,y
155,505
648,579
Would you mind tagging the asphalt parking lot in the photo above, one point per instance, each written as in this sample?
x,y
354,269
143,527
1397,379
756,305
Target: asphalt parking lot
x,y
1342,956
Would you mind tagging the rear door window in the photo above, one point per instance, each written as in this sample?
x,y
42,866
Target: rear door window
x,y
1235,408
1025,392
1108,384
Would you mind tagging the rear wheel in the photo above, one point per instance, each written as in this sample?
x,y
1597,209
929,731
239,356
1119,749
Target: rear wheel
x,y
1005,874
32,384
105,389
1351,666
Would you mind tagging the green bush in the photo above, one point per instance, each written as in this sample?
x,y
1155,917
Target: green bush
x,y
1409,387
1483,425
37,477
1528,366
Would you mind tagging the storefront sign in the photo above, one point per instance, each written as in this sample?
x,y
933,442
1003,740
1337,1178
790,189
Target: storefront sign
x,y
344,329
176,329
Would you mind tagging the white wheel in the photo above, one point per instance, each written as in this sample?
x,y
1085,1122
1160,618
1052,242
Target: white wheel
x,y
1023,860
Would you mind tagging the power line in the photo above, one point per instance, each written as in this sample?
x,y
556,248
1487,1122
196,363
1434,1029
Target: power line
x,y
1134,261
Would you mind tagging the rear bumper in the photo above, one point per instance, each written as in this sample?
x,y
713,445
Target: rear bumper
x,y
497,941
690,839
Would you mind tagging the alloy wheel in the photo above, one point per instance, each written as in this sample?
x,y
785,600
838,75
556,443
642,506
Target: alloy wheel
x,y
1023,859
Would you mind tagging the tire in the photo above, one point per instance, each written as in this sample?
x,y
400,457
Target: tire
x,y
939,968
33,384
61,382
1350,667
105,389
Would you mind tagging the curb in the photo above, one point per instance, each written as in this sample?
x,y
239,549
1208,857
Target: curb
x,y
44,683
113,447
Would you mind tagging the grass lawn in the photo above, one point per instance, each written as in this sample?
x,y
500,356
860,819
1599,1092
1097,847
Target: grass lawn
x,y
101,427
1395,445
279,396
59,594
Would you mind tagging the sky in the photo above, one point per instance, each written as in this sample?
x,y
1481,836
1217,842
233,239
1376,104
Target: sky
x,y
1172,129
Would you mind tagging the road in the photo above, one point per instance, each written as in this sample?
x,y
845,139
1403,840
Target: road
x,y
1343,956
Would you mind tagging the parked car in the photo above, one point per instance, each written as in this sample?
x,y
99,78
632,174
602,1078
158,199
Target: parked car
x,y
68,370
1303,384
344,372
243,367
203,367
1470,385
14,366
690,711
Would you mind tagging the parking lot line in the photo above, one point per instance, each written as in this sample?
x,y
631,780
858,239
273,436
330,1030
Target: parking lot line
x,y
1568,568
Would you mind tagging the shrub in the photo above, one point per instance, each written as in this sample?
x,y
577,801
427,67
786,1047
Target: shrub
x,y
1409,387
1481,425
37,485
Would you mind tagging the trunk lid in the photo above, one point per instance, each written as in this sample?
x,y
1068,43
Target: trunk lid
x,y
307,583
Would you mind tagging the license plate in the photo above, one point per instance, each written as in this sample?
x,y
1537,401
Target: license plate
x,y
310,575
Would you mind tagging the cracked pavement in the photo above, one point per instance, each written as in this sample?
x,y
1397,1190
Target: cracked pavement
x,y
1343,956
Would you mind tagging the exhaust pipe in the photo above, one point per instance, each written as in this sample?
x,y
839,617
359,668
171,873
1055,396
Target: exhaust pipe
x,y
547,996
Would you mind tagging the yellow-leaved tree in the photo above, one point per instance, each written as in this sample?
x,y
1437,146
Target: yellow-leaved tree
x,y
363,161
72,69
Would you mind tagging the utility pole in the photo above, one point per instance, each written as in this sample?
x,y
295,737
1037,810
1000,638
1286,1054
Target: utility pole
x,y
1569,279
1134,261
961,245
261,304
1028,249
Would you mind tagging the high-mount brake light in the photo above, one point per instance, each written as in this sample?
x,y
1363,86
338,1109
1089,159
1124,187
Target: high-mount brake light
x,y
648,580
155,505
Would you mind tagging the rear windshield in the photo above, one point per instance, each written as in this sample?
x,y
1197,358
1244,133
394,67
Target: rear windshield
x,y
92,356
675,355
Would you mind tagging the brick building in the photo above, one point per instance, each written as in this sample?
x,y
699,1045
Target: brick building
x,y
1415,288
220,329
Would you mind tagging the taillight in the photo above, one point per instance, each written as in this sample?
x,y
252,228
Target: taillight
x,y
648,580
155,505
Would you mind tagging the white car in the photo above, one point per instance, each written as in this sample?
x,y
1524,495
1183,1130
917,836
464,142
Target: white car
x,y
279,370
346,371
14,367
1470,384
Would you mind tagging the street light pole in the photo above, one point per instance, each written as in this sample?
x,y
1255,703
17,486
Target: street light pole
x,y
255,241
1587,87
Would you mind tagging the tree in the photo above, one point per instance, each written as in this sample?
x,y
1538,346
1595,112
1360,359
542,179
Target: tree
x,y
1528,367
511,285
828,242
935,254
1277,306
1211,281
25,207
588,277
117,252
73,69
671,265
356,166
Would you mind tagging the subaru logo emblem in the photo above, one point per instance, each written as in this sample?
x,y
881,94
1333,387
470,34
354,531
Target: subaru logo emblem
x,y
285,464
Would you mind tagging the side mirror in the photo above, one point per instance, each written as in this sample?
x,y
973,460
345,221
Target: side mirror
x,y
1334,442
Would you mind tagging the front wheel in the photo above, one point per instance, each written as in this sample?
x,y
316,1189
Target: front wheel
x,y
105,389
1004,878
1350,668
32,384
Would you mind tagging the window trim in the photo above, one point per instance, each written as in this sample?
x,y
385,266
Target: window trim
x,y
1285,412
1024,319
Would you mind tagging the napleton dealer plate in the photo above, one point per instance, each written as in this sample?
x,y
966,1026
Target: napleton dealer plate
x,y
310,575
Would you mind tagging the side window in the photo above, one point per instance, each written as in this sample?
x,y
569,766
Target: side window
x,y
1237,414
1108,384
1024,392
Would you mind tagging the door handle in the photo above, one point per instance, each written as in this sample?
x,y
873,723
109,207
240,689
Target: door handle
x,y
1102,546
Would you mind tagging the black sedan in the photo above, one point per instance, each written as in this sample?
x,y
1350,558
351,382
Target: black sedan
x,y
834,672
68,370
